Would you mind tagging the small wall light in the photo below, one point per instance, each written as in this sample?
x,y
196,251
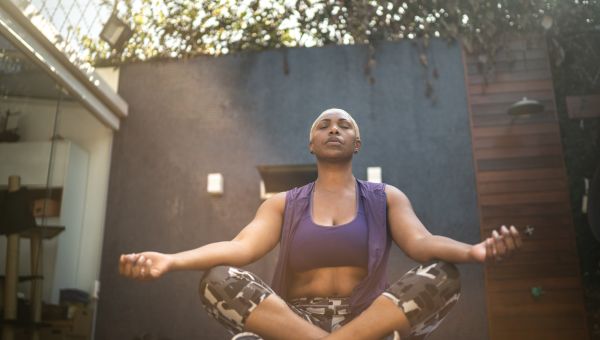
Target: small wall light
x,y
215,184
116,32
525,106
374,174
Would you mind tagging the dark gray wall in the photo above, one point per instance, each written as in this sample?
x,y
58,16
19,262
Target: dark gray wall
x,y
193,117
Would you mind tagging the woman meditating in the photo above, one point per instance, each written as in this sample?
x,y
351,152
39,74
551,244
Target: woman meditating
x,y
335,236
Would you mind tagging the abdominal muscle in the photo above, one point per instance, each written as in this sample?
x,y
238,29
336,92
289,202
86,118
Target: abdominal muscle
x,y
326,282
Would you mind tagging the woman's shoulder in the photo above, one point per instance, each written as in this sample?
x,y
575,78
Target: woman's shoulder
x,y
275,202
372,186
395,195
390,192
300,192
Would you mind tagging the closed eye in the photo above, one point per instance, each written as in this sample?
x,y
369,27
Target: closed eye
x,y
344,124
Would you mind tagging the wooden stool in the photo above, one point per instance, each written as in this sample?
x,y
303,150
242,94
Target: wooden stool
x,y
35,235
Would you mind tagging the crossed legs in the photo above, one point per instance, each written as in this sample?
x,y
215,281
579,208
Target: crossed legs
x,y
414,305
273,319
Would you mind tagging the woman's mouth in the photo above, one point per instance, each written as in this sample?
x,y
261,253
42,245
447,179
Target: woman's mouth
x,y
333,140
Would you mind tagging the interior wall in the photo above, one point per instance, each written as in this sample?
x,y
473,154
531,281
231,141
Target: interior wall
x,y
193,117
36,122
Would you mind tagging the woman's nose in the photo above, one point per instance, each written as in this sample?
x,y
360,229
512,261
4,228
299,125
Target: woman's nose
x,y
334,130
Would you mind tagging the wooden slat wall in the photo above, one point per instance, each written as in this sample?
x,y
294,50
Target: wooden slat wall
x,y
521,180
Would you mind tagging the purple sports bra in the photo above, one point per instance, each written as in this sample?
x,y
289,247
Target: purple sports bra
x,y
315,246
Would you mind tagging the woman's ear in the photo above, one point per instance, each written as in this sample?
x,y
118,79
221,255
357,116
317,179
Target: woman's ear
x,y
357,144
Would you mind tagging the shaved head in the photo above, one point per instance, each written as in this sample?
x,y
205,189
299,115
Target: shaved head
x,y
332,110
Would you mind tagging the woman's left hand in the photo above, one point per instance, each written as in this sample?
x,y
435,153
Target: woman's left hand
x,y
498,247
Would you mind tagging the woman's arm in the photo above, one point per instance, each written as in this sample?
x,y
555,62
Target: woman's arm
x,y
254,241
419,244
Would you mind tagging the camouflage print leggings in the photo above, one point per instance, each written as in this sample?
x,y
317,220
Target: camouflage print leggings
x,y
425,294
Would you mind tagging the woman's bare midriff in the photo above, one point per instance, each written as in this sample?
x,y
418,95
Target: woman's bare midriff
x,y
326,282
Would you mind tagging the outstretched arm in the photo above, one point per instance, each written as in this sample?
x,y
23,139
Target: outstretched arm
x,y
419,244
254,241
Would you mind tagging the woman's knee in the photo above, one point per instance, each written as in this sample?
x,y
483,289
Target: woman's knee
x,y
212,285
426,293
445,276
229,294
225,282
451,276
215,275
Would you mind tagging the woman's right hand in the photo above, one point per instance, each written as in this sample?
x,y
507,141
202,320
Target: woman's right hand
x,y
144,266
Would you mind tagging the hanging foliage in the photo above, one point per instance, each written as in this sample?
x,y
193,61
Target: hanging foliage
x,y
184,28
174,29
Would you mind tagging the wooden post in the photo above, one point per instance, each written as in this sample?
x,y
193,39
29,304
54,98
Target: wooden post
x,y
12,272
36,283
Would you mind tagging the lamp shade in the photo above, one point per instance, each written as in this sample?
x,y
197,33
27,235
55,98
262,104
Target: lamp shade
x,y
525,106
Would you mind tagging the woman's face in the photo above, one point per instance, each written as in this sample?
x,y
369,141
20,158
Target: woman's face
x,y
334,136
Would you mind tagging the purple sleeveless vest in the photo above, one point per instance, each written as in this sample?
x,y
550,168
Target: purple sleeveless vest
x,y
375,208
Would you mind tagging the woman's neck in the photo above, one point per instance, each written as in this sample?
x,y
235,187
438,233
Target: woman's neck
x,y
334,177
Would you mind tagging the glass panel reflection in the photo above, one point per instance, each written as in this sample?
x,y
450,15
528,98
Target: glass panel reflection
x,y
31,190
54,166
